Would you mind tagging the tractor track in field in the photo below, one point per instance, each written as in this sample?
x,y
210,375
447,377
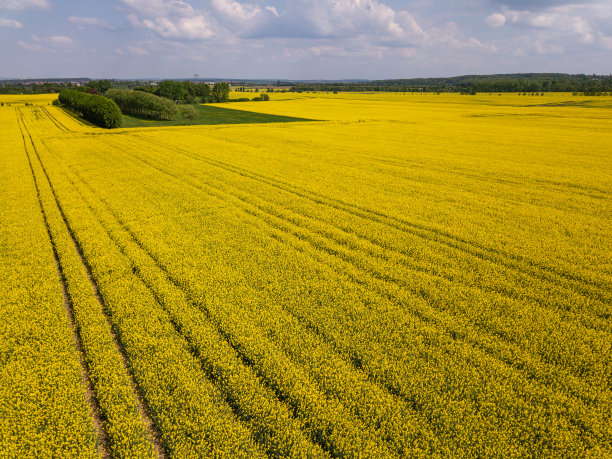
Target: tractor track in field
x,y
153,431
177,328
351,360
422,315
473,249
94,405
380,251
55,121
225,335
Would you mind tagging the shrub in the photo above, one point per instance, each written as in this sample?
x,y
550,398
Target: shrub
x,y
173,90
99,86
98,110
189,113
220,92
143,104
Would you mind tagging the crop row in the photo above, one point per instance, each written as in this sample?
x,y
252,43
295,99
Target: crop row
x,y
187,408
494,308
126,423
43,398
290,393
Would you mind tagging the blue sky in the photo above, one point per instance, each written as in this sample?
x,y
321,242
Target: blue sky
x,y
302,39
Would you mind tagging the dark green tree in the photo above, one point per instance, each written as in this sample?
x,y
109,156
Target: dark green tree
x,y
203,92
173,90
101,86
220,92
98,110
143,104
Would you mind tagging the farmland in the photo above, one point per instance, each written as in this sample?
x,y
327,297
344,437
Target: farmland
x,y
396,275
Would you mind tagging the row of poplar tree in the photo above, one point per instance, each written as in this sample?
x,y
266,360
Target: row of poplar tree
x,y
181,92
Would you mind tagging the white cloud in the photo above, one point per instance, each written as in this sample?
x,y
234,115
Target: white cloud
x,y
310,19
160,8
407,53
190,28
171,19
236,11
322,28
331,52
61,41
408,24
346,18
19,5
29,46
450,38
84,22
548,48
533,45
272,10
559,20
131,50
333,20
134,20
495,20
606,42
54,43
358,30
10,23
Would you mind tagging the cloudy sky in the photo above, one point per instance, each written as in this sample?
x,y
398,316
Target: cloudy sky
x,y
302,39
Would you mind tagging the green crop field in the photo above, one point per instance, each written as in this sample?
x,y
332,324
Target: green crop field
x,y
208,114
407,276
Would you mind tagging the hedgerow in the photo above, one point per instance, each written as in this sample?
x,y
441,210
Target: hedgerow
x,y
143,104
98,110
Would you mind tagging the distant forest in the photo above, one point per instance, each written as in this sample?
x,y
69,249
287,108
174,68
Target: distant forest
x,y
38,86
470,84
467,84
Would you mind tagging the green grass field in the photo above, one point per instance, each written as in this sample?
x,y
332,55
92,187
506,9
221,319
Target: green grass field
x,y
208,114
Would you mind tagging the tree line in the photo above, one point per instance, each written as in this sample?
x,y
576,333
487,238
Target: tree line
x,y
96,109
180,92
28,87
469,84
143,104
150,101
187,92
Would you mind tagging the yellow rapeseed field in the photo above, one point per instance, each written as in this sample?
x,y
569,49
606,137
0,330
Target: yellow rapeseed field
x,y
407,275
